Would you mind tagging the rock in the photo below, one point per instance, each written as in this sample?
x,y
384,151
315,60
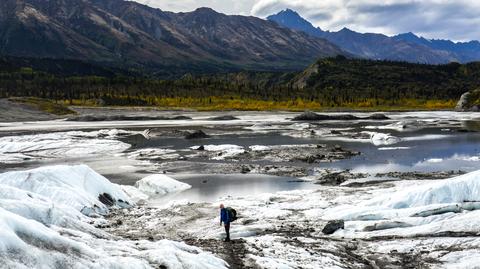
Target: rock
x,y
462,104
89,118
199,134
345,117
245,170
469,101
201,148
332,226
333,179
336,178
224,118
421,175
181,117
311,159
378,116
106,199
312,116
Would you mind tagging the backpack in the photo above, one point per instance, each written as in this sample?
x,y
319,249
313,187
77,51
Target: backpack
x,y
232,214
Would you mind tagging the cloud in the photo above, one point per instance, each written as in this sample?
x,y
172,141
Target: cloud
x,y
447,19
241,7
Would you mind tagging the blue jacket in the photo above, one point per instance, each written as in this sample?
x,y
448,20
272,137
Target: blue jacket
x,y
224,216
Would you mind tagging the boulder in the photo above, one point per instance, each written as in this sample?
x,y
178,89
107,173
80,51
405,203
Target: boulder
x,y
106,199
332,226
469,101
224,118
312,116
245,170
462,104
378,116
199,134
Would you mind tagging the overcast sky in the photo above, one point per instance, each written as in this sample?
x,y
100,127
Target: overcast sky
x,y
446,19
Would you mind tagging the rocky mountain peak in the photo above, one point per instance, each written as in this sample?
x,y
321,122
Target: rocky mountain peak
x,y
129,34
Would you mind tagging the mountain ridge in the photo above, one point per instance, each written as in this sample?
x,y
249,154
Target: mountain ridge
x,y
403,47
131,35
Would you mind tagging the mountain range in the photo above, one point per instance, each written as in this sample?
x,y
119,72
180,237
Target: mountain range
x,y
404,47
132,35
126,35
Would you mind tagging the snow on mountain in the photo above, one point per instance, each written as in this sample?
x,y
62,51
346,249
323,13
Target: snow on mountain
x,y
403,47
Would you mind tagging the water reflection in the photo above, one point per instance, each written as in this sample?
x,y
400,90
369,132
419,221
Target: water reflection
x,y
209,188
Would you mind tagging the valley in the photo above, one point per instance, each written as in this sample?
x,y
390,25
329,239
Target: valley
x,y
256,162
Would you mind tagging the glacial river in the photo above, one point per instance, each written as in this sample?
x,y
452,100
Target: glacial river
x,y
126,151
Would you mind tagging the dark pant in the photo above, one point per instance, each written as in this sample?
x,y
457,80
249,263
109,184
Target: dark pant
x,y
227,231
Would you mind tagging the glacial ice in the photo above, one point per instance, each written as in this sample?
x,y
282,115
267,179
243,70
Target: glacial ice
x,y
223,151
160,185
78,186
455,190
41,225
380,139
17,149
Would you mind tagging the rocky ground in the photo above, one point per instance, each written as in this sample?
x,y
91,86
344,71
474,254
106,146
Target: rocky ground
x,y
286,228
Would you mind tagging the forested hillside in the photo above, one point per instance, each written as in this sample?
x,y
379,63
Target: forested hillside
x,y
329,83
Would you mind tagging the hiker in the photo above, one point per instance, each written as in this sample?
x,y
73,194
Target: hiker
x,y
225,218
